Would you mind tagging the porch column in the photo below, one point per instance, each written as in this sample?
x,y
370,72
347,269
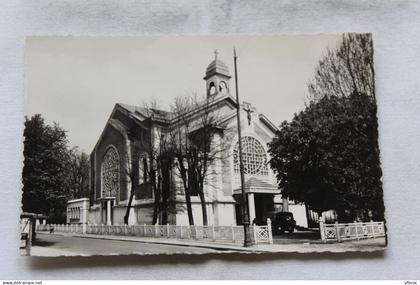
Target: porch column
x,y
108,212
101,213
251,207
285,205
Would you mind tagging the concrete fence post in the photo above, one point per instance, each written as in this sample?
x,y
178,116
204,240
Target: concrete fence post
x,y
213,233
357,231
156,230
254,228
270,233
144,230
232,230
337,232
167,230
195,231
373,229
322,230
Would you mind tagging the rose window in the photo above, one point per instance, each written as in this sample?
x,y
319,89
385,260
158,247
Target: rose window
x,y
254,157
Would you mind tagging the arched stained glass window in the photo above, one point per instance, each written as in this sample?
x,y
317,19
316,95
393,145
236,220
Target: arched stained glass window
x,y
254,157
111,173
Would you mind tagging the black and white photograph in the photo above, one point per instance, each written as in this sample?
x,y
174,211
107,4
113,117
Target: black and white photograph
x,y
152,145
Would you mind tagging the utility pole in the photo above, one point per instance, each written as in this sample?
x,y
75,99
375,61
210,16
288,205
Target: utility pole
x,y
245,215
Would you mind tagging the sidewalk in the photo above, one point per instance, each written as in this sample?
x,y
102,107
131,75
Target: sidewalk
x,y
368,245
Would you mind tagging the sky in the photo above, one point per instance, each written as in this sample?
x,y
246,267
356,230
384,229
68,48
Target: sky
x,y
76,81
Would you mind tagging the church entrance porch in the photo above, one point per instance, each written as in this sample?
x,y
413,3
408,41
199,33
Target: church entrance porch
x,y
259,204
264,203
106,205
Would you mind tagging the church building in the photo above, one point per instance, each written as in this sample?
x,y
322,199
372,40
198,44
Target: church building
x,y
111,185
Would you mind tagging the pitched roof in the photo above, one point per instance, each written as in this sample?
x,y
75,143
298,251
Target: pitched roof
x,y
147,112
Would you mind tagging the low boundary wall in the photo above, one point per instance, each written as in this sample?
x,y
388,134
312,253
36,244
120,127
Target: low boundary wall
x,y
234,234
351,231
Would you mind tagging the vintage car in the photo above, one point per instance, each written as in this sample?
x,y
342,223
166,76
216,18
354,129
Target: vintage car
x,y
280,222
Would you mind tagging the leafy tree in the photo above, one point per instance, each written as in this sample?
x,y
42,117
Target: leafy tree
x,y
328,155
45,174
79,173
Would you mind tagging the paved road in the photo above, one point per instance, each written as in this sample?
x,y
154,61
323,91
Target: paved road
x,y
53,245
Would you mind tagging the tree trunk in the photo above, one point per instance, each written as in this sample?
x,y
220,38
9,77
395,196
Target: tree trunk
x,y
184,178
165,192
189,208
134,178
156,187
130,201
203,206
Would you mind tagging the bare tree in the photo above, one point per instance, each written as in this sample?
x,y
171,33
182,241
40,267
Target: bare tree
x,y
159,159
194,146
130,171
180,144
346,70
183,139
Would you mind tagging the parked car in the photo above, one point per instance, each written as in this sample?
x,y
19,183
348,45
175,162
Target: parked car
x,y
280,222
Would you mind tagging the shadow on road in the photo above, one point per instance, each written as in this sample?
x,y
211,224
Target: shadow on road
x,y
40,242
297,237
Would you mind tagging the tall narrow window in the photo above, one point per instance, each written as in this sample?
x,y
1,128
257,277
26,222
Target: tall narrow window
x,y
145,185
111,173
212,88
223,87
143,168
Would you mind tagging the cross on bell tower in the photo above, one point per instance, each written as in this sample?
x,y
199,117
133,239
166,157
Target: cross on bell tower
x,y
217,77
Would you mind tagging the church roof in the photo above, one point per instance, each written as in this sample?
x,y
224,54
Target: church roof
x,y
148,112
217,66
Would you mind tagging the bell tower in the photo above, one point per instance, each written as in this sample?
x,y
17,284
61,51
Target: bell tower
x,y
217,77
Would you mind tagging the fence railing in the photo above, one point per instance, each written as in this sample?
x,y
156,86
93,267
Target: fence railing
x,y
263,234
351,231
234,234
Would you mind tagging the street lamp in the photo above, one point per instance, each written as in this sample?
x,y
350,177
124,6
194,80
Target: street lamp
x,y
245,215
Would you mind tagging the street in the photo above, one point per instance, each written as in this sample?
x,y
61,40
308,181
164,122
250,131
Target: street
x,y
55,245
297,237
69,245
